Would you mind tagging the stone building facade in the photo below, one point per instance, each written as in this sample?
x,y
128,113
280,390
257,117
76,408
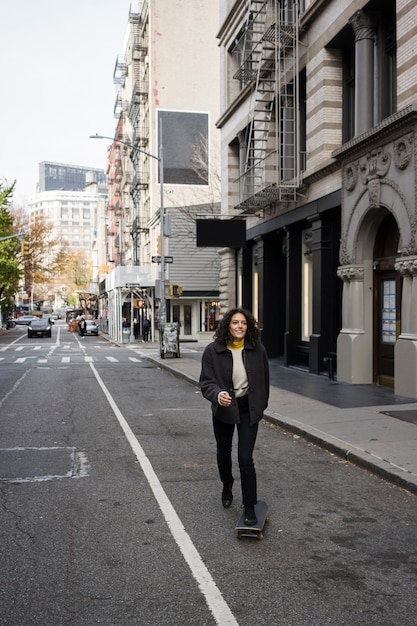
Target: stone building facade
x,y
318,127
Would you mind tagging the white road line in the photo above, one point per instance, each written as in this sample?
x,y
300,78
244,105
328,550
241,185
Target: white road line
x,y
22,359
36,347
18,349
214,599
42,361
132,358
65,359
15,386
111,359
88,359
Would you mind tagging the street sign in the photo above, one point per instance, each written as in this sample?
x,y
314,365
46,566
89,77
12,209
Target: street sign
x,y
167,259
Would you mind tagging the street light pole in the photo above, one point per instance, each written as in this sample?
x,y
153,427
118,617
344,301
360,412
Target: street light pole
x,y
160,159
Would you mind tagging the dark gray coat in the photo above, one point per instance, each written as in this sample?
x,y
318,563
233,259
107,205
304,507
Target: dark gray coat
x,y
216,376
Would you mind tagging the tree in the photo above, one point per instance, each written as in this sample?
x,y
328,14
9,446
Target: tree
x,y
44,259
10,271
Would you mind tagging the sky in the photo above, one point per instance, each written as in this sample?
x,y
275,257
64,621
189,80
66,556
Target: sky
x,y
56,77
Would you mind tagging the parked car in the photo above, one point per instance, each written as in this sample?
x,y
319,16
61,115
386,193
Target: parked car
x,y
91,328
24,320
40,327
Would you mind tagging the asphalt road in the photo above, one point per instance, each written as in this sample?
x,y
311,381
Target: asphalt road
x,y
110,507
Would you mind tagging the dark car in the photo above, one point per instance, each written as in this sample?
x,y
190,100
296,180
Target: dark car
x,y
39,327
90,329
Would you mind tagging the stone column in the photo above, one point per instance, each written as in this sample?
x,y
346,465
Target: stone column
x,y
227,279
363,24
405,354
354,344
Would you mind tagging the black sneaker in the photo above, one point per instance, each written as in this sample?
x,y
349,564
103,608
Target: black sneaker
x,y
250,516
227,496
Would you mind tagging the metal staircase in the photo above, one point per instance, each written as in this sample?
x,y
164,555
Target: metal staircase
x,y
268,51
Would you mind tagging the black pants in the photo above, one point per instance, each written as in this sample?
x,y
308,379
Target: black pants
x,y
246,443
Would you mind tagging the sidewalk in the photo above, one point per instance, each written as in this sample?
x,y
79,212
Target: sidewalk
x,y
366,424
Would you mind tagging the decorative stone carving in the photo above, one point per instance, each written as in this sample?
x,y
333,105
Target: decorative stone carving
x,y
344,258
375,165
403,151
363,25
407,266
350,175
350,272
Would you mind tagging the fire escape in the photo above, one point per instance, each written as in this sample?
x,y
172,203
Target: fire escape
x,y
268,54
138,116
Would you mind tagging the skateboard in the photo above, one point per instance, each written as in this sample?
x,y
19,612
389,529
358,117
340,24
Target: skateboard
x,y
241,530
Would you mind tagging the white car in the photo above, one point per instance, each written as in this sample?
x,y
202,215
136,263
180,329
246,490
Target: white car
x,y
24,320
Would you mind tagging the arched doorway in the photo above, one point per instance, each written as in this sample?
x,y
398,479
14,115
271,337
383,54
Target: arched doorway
x,y
387,300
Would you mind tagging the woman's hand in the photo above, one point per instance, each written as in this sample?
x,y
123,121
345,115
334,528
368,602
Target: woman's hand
x,y
224,398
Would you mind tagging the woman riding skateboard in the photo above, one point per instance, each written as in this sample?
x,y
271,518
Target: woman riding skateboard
x,y
235,379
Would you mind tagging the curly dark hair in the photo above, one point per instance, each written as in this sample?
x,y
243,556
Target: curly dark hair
x,y
253,334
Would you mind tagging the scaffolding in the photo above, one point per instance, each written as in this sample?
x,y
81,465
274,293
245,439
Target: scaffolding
x,y
268,55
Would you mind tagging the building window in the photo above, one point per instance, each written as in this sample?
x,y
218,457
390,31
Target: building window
x,y
185,147
383,88
211,315
306,286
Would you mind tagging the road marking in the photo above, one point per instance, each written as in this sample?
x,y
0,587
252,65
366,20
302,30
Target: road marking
x,y
36,347
111,359
42,361
212,594
88,359
19,348
65,359
132,358
22,359
15,386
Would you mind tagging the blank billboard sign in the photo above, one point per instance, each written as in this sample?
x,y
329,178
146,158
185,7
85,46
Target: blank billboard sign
x,y
221,233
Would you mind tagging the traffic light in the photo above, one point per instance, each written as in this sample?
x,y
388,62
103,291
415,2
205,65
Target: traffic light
x,y
175,291
24,247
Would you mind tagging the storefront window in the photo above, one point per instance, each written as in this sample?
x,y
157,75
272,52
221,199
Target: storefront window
x,y
211,311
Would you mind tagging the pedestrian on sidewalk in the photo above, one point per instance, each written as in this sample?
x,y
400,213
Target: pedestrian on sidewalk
x,y
235,379
146,329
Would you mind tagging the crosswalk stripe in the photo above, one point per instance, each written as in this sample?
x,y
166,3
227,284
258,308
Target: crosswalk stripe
x,y
22,359
88,359
132,358
111,359
65,359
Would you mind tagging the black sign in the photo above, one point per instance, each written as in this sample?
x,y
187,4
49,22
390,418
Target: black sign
x,y
167,259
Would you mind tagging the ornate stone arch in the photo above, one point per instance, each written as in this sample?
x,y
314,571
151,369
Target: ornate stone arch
x,y
365,218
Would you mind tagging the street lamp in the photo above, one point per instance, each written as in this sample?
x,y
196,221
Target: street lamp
x,y
17,236
160,159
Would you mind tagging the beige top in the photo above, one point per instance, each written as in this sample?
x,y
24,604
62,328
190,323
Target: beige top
x,y
240,377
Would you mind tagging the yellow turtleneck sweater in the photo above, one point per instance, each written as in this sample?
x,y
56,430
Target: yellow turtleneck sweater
x,y
239,377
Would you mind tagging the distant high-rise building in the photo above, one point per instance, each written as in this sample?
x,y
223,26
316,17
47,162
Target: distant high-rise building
x,y
58,176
